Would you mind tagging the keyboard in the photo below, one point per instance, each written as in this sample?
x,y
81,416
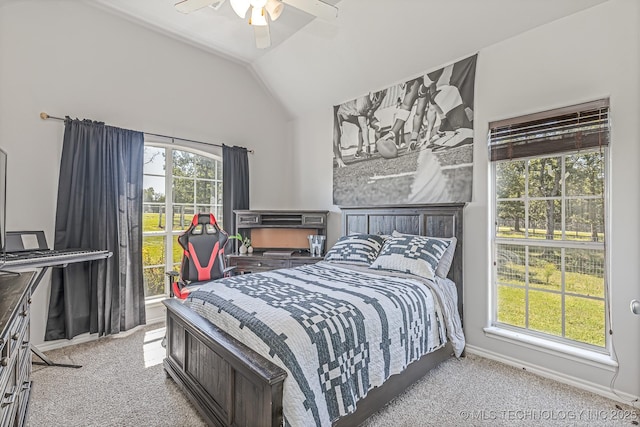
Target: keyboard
x,y
51,257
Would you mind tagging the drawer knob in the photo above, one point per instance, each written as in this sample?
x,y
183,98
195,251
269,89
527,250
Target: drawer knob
x,y
24,313
4,361
29,301
15,336
9,398
259,264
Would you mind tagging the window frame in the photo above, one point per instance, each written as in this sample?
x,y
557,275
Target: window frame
x,y
170,233
524,335
527,242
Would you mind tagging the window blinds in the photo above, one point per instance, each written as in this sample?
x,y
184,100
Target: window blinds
x,y
555,131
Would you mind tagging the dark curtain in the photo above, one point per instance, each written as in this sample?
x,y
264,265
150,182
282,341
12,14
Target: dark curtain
x,y
235,184
99,207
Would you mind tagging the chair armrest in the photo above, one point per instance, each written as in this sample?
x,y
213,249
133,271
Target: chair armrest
x,y
172,274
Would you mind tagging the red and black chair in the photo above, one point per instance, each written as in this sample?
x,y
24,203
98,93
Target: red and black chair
x,y
203,258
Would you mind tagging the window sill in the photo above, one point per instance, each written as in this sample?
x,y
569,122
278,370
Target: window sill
x,y
593,358
155,301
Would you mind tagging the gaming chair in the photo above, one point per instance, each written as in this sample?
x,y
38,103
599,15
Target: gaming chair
x,y
203,258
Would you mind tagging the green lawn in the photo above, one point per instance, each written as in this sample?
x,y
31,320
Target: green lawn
x,y
153,249
585,318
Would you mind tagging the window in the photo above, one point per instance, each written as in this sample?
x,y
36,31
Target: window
x,y
549,258
192,184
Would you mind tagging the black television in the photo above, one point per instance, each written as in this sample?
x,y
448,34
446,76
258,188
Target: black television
x,y
3,202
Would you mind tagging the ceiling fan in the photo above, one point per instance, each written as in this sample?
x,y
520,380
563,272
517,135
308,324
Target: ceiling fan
x,y
262,11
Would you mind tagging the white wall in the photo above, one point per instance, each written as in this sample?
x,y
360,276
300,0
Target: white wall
x,y
67,58
586,56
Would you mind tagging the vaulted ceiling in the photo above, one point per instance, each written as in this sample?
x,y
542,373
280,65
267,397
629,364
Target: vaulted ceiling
x,y
220,30
372,44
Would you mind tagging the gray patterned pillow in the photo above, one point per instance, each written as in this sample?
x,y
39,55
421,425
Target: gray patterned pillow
x,y
356,249
411,254
447,258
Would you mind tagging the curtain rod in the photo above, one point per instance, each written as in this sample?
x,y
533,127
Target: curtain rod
x,y
45,116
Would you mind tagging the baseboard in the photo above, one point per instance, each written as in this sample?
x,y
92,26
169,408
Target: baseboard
x,y
618,396
84,338
80,339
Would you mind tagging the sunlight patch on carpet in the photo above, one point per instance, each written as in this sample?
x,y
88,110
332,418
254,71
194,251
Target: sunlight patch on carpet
x,y
152,347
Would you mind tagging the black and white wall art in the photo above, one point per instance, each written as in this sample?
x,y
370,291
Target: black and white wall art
x,y
410,143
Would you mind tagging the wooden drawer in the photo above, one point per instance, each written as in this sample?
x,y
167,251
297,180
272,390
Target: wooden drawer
x,y
255,264
10,394
248,219
303,261
313,219
23,390
19,325
4,357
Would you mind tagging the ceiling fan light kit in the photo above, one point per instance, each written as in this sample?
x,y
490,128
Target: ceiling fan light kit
x,y
274,7
258,18
240,7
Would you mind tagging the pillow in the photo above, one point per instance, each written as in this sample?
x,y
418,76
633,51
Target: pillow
x,y
356,248
418,255
447,258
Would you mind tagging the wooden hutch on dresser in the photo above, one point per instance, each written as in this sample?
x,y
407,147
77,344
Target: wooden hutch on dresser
x,y
279,239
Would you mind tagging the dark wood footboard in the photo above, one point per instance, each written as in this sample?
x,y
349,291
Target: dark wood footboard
x,y
230,384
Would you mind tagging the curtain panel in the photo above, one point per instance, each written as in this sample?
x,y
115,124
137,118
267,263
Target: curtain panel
x,y
235,184
99,207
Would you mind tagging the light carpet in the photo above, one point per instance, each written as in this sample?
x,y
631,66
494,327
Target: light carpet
x,y
122,383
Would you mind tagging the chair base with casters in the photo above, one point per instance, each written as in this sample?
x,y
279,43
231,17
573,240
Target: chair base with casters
x,y
203,258
181,290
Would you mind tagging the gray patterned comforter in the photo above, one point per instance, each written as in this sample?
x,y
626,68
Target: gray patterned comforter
x,y
338,330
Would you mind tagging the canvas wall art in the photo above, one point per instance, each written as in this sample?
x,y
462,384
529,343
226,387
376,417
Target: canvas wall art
x,y
410,143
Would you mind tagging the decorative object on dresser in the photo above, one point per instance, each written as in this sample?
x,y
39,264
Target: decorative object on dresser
x,y
15,354
236,383
279,238
316,244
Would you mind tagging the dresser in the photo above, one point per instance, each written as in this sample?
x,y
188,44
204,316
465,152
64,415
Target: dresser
x,y
278,237
15,354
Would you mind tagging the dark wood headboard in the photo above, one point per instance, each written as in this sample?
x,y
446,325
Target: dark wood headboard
x,y
442,220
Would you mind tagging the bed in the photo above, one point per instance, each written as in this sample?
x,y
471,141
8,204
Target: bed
x,y
233,384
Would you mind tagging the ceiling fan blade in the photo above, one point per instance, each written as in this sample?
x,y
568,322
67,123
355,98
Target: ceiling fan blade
x,y
315,7
263,37
186,6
